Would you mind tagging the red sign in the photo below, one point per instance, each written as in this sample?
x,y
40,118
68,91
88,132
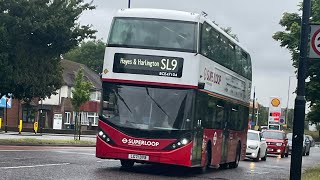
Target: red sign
x,y
276,114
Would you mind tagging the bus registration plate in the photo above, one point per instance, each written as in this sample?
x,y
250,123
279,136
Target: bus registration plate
x,y
138,157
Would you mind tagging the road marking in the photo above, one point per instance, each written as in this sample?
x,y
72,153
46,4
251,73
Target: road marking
x,y
40,165
69,152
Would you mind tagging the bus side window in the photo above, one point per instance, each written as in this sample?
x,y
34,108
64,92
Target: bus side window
x,y
219,116
211,112
234,118
201,110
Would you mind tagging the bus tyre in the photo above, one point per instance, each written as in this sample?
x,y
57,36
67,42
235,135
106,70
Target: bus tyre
x,y
237,158
127,164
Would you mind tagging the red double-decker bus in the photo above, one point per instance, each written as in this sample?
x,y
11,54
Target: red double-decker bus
x,y
176,90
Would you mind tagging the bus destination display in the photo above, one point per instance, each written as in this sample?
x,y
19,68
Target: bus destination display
x,y
148,65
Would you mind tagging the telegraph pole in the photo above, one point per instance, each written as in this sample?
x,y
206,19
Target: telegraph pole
x,y
253,104
300,101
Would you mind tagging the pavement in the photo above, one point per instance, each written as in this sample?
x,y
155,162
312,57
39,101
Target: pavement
x,y
44,136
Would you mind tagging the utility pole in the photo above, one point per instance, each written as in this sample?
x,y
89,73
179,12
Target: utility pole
x,y
253,104
300,101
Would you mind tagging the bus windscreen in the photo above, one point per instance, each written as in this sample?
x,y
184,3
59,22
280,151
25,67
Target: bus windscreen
x,y
153,34
147,108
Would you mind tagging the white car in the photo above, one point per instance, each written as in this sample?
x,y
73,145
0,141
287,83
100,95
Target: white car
x,y
256,146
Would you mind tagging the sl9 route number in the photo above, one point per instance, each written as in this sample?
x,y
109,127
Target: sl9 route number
x,y
166,64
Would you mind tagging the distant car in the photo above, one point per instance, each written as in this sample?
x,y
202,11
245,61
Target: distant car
x,y
277,142
256,146
312,141
305,147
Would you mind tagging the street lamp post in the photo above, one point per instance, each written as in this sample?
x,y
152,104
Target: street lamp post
x,y
288,98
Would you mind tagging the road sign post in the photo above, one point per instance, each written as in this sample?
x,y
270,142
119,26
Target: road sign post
x,y
300,101
314,41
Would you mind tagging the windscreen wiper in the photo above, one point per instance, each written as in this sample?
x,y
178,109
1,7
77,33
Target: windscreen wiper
x,y
121,98
157,104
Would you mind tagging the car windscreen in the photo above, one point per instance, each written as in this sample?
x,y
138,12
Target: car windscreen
x,y
253,136
153,34
273,135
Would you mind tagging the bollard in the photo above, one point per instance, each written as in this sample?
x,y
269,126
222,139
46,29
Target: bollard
x,y
0,123
35,127
20,126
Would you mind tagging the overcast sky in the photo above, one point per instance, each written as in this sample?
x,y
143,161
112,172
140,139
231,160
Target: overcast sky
x,y
253,21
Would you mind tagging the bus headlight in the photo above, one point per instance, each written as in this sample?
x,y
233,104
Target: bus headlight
x,y
181,142
105,137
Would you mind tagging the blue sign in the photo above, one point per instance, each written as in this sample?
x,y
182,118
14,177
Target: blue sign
x,y
4,100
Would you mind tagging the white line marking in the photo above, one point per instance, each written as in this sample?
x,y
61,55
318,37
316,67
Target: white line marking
x,y
68,152
41,165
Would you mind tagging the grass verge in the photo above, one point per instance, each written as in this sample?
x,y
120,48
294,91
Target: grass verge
x,y
44,142
312,174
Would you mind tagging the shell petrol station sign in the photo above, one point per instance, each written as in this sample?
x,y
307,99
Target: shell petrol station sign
x,y
314,51
274,110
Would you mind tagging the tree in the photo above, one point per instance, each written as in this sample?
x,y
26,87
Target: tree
x,y
80,95
290,38
89,53
314,115
33,35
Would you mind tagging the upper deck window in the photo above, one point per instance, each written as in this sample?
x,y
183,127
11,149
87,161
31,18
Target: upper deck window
x,y
153,34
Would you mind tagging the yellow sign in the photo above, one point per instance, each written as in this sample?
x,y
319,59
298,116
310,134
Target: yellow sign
x,y
275,102
0,123
35,126
105,71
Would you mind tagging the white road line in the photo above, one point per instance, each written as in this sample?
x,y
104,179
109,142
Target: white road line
x,y
69,152
41,165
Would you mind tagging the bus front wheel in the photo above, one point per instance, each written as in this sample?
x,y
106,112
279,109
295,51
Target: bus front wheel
x,y
127,164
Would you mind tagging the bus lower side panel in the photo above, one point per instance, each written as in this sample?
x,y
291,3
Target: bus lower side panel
x,y
180,156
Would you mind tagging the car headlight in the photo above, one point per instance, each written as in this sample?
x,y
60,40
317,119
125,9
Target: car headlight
x,y
253,146
278,144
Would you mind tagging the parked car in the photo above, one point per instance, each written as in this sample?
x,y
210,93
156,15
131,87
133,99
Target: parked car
x,y
312,141
256,146
305,147
277,142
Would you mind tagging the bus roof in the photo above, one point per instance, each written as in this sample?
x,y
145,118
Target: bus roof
x,y
158,14
172,15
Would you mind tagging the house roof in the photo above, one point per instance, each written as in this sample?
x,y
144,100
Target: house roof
x,y
70,68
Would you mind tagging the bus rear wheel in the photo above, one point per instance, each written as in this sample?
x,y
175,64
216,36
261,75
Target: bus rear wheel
x,y
127,164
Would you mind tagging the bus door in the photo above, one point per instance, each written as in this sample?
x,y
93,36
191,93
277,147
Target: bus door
x,y
222,117
200,114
